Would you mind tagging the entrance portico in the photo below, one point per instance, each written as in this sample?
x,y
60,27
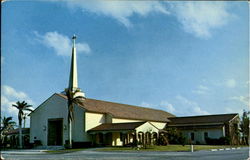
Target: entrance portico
x,y
123,134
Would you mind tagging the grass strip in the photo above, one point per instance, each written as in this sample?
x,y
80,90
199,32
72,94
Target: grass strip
x,y
65,150
171,148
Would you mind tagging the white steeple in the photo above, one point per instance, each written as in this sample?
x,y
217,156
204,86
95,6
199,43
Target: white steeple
x,y
73,81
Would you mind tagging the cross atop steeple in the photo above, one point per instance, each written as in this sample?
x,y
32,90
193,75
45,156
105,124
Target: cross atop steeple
x,y
73,81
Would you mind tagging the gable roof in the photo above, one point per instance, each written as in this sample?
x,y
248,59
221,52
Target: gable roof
x,y
117,126
125,111
206,119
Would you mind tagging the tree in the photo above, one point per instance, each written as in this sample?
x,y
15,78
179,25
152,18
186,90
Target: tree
x,y
244,126
72,99
175,136
24,119
21,106
6,125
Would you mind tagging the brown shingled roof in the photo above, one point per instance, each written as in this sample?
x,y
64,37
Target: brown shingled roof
x,y
193,127
125,111
117,126
206,119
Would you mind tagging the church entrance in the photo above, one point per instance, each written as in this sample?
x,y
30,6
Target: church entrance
x,y
55,132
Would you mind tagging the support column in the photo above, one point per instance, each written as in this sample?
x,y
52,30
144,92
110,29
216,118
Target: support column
x,y
127,138
93,138
144,140
135,139
157,138
103,139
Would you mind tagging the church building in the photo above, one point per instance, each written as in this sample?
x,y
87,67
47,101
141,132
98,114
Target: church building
x,y
95,121
98,122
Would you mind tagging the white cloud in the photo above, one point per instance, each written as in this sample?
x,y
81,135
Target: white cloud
x,y
10,96
145,104
183,107
11,92
61,44
168,106
188,107
235,109
164,105
247,83
230,83
201,89
6,106
229,110
243,99
199,18
119,10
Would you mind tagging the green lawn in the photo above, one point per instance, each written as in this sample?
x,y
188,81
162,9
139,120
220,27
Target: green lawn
x,y
65,150
176,148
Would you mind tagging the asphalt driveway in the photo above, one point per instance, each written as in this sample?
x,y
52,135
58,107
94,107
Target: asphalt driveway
x,y
239,154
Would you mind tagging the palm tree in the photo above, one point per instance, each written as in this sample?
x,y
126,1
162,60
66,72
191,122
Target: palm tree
x,y
244,126
24,119
6,125
21,106
72,99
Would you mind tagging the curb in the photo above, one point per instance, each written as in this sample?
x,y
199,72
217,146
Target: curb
x,y
225,149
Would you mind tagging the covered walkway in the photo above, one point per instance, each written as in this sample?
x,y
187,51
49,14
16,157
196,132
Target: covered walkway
x,y
125,134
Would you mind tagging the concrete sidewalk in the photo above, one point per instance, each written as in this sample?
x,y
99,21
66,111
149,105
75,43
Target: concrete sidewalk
x,y
23,151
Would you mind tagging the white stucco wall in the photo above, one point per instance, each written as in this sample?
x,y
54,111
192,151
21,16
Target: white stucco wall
x,y
93,119
199,134
215,133
78,125
146,127
52,108
159,125
120,120
56,107
116,140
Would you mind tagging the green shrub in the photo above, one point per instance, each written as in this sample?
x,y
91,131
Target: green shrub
x,y
175,136
218,141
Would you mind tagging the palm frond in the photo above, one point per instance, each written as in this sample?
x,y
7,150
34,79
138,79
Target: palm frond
x,y
21,106
71,101
28,109
7,124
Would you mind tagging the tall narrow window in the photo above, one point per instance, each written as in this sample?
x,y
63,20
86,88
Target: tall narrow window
x,y
192,136
205,135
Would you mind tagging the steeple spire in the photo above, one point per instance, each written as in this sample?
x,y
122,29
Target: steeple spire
x,y
73,81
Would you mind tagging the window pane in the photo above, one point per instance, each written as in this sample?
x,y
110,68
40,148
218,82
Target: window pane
x,y
192,136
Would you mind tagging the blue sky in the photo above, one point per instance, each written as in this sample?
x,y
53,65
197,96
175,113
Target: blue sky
x,y
188,58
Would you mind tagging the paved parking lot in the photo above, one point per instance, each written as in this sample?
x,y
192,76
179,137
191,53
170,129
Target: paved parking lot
x,y
240,154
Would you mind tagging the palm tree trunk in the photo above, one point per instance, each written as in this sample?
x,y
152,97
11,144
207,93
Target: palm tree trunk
x,y
20,136
70,134
24,123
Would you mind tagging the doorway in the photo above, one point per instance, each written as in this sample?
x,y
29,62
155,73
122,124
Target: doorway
x,y
55,132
